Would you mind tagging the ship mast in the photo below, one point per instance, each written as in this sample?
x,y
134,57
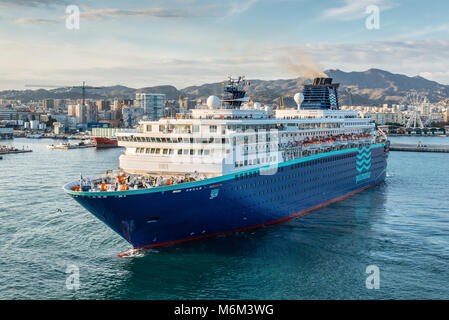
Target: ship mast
x,y
234,92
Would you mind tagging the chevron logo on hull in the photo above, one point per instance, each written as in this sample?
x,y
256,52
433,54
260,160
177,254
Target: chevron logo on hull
x,y
363,161
363,164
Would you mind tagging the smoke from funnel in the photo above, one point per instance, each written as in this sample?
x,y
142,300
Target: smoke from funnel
x,y
301,64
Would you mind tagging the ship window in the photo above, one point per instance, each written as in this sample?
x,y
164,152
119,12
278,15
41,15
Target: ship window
x,y
165,151
153,150
147,150
213,129
171,151
186,151
158,151
179,151
192,152
206,152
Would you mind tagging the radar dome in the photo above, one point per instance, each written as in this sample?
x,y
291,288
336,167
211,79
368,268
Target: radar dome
x,y
299,98
213,102
268,109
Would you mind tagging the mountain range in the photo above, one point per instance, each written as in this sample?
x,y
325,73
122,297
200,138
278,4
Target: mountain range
x,y
371,87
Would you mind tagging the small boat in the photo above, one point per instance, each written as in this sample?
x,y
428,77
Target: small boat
x,y
69,146
34,136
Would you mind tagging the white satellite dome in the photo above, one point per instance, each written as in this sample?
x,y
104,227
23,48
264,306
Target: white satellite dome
x,y
299,98
257,105
268,109
213,102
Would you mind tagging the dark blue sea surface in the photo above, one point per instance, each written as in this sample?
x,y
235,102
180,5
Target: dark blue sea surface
x,y
400,226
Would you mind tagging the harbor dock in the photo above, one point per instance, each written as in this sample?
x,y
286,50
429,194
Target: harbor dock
x,y
419,147
4,150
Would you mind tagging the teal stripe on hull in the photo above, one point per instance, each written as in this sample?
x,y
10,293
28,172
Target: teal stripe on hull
x,y
218,179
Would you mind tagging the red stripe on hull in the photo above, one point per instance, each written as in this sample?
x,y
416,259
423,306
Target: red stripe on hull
x,y
256,226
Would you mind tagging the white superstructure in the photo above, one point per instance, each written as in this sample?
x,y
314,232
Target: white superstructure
x,y
214,142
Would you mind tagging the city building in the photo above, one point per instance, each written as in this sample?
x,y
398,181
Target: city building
x,y
382,118
34,124
153,104
58,128
8,114
80,113
103,105
131,116
48,103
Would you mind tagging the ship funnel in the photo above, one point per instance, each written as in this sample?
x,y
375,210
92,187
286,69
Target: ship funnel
x,y
322,94
322,81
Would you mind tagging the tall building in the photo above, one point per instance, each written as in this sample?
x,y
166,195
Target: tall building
x,y
153,104
49,103
80,113
92,112
71,110
103,105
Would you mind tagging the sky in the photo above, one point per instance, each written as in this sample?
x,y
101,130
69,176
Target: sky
x,y
192,42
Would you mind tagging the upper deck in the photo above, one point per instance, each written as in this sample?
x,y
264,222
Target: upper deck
x,y
230,134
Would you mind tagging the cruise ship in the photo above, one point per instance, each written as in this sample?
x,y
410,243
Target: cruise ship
x,y
234,165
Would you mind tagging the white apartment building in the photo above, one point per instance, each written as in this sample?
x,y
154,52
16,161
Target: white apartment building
x,y
382,118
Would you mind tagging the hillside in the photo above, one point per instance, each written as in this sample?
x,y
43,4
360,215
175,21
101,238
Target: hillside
x,y
370,87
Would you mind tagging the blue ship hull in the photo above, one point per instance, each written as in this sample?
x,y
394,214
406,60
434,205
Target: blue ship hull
x,y
249,199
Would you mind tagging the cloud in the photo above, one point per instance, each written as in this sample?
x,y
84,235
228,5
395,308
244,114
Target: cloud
x,y
236,8
35,21
355,9
32,3
241,6
148,12
36,61
429,30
